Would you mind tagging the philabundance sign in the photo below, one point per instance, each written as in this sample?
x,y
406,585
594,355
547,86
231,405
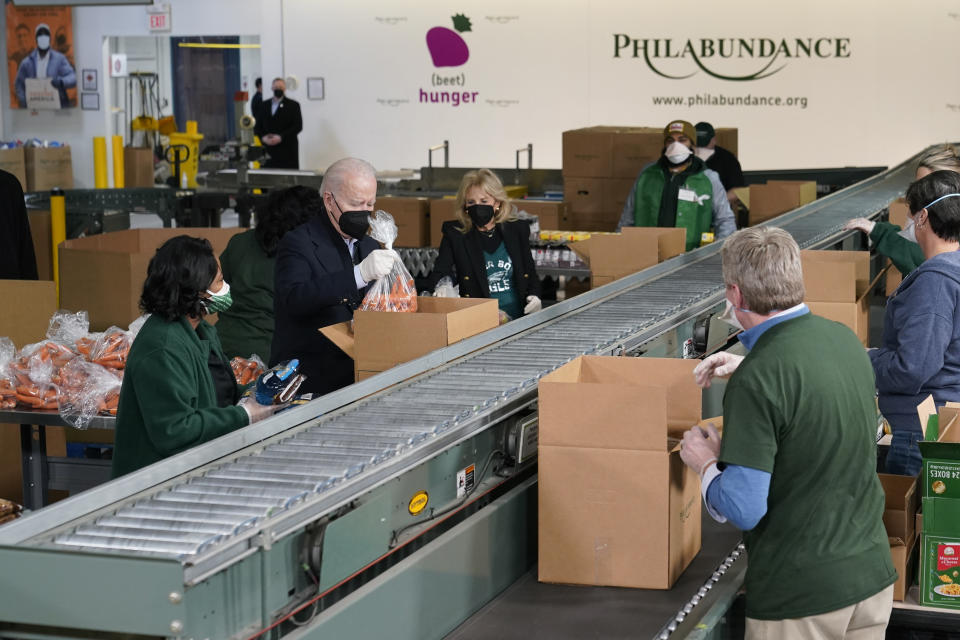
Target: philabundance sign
x,y
708,54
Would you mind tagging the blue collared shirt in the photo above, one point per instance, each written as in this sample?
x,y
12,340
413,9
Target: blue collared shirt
x,y
739,493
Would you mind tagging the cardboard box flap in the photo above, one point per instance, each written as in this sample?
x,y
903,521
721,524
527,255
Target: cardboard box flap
x,y
899,491
835,276
341,335
925,410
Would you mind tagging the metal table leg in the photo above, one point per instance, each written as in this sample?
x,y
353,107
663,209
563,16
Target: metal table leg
x,y
33,451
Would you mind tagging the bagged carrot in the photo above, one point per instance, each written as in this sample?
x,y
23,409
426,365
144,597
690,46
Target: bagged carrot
x,y
246,370
87,390
396,291
112,348
8,394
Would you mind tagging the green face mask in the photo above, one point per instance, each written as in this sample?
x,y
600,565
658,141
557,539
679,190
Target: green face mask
x,y
219,301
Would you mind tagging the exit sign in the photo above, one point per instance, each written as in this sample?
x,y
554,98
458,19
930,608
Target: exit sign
x,y
158,17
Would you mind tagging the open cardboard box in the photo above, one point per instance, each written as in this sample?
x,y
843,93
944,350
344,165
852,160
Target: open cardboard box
x,y
381,340
904,556
902,500
765,201
613,256
104,274
837,285
617,505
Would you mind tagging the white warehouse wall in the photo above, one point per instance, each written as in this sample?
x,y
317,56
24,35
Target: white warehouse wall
x,y
538,67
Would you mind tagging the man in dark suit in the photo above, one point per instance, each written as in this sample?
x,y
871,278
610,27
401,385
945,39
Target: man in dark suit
x,y
323,270
256,103
278,123
17,259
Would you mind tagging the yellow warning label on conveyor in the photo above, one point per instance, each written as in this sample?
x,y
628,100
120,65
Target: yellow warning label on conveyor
x,y
418,502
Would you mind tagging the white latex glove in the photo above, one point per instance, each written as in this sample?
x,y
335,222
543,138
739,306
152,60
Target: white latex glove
x,y
862,224
700,448
719,365
256,411
378,264
533,304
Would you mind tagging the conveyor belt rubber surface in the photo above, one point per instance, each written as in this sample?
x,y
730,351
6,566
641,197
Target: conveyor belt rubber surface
x,y
196,514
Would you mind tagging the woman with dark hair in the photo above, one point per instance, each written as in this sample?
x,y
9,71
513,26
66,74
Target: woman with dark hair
x,y
248,264
178,389
920,355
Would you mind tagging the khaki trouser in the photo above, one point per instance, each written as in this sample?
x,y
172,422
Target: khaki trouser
x,y
865,620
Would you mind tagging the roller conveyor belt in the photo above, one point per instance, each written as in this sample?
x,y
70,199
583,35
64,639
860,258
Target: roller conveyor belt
x,y
194,515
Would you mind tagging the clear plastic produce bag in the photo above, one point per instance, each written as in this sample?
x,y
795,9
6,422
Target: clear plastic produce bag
x,y
112,348
8,393
446,289
395,292
246,370
86,391
68,327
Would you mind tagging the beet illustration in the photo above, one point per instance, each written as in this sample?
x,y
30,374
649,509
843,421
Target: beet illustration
x,y
446,46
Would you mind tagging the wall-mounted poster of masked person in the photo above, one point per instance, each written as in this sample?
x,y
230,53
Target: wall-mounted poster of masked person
x,y
40,57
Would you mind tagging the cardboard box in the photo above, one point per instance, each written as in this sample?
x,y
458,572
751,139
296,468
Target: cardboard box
x,y
137,167
42,242
837,285
898,212
613,256
381,340
617,505
15,161
48,168
940,570
551,214
904,558
595,204
104,274
728,138
900,507
894,278
940,477
441,210
412,218
610,152
769,200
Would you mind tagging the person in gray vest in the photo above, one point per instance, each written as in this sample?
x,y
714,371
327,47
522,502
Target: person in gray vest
x,y
679,191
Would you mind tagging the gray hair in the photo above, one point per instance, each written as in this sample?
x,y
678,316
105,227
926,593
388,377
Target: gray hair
x,y
341,170
764,262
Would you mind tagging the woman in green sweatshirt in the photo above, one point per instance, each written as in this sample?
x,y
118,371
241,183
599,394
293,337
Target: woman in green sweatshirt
x,y
900,245
178,389
246,328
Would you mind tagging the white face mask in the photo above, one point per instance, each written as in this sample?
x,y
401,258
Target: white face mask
x,y
909,231
729,316
677,153
705,153
43,42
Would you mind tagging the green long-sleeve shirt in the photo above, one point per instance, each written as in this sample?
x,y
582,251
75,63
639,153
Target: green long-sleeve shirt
x,y
905,255
168,402
247,326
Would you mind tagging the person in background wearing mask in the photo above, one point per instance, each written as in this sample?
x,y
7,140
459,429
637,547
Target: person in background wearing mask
x,y
178,389
486,250
795,468
720,160
323,271
679,191
920,352
256,103
44,62
278,124
900,245
248,264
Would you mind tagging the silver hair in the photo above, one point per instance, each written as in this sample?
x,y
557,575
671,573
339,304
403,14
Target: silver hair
x,y
765,263
338,173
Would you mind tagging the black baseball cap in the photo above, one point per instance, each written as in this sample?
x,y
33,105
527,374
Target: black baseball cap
x,y
705,133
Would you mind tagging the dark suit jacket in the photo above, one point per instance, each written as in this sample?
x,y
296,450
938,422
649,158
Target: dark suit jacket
x,y
314,287
461,258
287,123
17,259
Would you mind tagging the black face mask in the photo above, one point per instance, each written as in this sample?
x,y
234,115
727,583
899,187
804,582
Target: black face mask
x,y
278,93
353,223
480,214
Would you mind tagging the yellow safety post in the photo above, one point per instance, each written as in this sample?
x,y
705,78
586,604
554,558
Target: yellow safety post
x,y
100,162
58,230
118,162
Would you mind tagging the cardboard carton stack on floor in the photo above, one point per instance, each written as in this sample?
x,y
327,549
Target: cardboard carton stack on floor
x,y
617,506
837,287
380,340
940,491
14,161
104,273
48,167
613,256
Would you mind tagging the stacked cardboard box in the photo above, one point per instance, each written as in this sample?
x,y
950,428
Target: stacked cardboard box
x,y
104,273
137,167
412,218
902,501
380,340
898,212
940,491
14,161
616,255
48,167
837,285
617,505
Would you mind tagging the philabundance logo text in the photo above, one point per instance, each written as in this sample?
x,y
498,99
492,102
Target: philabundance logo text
x,y
708,54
